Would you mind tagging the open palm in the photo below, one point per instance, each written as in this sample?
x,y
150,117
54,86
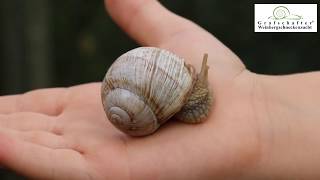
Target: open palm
x,y
63,133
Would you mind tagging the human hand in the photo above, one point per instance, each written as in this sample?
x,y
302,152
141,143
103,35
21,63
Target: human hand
x,y
63,133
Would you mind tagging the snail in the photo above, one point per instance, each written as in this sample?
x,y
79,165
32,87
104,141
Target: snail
x,y
282,12
147,86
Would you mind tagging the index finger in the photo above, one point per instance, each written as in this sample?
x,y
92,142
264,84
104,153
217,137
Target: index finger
x,y
46,101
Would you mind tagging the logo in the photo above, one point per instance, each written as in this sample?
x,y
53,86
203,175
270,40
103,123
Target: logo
x,y
285,17
282,12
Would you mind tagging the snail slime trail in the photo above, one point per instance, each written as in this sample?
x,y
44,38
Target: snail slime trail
x,y
146,86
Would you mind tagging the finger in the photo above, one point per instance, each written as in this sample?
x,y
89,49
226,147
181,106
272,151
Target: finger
x,y
29,121
46,101
39,162
39,137
147,21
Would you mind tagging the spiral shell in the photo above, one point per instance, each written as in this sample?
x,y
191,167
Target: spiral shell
x,y
281,12
144,88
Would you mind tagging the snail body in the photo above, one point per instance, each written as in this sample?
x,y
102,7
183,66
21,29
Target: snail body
x,y
146,86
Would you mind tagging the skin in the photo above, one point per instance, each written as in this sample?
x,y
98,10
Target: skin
x,y
260,127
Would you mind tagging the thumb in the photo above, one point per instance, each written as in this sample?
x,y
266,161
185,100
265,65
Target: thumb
x,y
151,24
146,21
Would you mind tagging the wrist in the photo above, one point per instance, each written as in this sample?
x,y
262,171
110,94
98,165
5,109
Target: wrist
x,y
288,129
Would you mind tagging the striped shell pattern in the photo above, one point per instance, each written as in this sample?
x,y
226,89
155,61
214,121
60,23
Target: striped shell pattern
x,y
143,88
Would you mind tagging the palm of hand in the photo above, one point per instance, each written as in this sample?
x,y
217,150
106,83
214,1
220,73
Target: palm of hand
x,y
67,135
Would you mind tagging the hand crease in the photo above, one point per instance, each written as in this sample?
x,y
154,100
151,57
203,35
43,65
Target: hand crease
x,y
125,143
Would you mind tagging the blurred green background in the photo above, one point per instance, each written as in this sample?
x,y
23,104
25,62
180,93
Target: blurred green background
x,y
47,43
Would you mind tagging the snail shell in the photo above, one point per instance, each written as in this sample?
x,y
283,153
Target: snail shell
x,y
281,12
146,86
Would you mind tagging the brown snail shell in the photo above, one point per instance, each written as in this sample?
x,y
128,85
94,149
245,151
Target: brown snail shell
x,y
146,86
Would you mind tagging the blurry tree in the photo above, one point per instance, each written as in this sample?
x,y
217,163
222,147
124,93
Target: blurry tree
x,y
38,43
12,59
